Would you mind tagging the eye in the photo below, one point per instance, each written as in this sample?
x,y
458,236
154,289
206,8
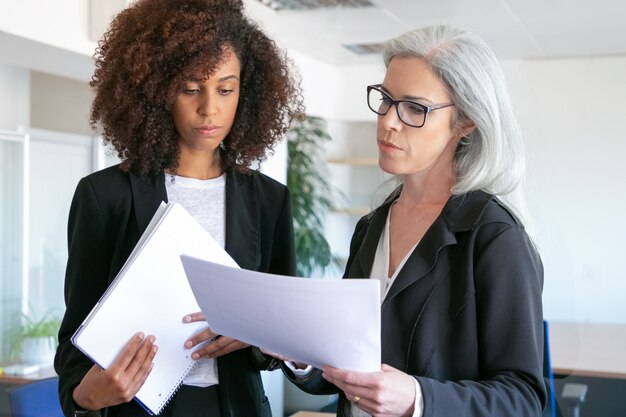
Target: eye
x,y
385,100
225,91
414,108
190,91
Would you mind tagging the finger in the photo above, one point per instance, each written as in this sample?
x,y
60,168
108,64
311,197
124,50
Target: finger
x,y
221,346
127,353
364,404
350,380
201,337
144,371
386,368
194,317
144,351
227,348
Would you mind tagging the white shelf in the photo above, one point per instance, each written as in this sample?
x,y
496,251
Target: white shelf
x,y
355,161
352,211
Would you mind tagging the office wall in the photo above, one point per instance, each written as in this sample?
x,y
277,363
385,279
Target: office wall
x,y
60,104
14,97
572,114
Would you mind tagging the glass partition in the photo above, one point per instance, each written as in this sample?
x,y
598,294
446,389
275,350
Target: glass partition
x,y
39,171
11,232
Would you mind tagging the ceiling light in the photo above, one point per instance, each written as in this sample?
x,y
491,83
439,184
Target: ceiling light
x,y
315,4
364,48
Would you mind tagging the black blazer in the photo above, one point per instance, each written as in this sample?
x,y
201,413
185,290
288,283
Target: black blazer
x,y
109,212
464,314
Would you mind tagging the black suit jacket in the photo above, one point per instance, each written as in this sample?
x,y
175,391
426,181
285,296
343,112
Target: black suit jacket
x,y
109,212
464,314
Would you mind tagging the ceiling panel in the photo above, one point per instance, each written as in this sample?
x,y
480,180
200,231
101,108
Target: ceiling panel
x,y
514,28
575,27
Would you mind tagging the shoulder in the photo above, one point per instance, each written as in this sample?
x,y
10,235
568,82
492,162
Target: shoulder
x,y
107,177
472,210
106,186
261,182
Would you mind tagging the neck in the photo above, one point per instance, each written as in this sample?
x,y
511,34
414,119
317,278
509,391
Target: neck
x,y
417,191
432,186
199,165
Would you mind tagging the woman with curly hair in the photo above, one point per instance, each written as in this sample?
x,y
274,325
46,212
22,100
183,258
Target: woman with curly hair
x,y
189,93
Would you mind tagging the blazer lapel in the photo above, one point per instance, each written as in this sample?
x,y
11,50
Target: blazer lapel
x,y
459,214
423,258
364,260
148,192
242,221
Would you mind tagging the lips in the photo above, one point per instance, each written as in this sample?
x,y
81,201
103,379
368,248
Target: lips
x,y
207,130
388,146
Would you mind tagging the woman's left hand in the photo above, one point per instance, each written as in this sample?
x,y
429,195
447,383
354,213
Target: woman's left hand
x,y
388,392
219,345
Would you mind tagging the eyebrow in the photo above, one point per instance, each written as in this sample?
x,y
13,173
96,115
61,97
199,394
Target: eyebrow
x,y
227,77
405,97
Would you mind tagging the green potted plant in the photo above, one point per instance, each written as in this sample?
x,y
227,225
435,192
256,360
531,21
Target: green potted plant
x,y
35,340
312,200
311,194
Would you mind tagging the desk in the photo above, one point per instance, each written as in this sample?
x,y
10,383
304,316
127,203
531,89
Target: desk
x,y
25,379
588,349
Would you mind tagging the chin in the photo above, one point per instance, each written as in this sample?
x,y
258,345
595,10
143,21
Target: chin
x,y
390,166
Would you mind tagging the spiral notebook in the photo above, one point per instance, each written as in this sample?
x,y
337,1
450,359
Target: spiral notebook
x,y
151,294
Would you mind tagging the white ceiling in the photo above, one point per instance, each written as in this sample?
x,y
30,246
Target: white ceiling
x,y
514,28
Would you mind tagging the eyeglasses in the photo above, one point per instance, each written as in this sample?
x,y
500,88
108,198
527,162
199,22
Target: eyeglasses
x,y
409,112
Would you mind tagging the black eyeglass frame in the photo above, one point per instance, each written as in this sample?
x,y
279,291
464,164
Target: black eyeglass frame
x,y
427,109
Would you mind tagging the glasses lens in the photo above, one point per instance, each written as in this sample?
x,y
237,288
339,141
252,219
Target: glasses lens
x,y
412,113
378,102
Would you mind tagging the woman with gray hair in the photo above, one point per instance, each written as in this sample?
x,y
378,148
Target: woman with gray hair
x,y
461,280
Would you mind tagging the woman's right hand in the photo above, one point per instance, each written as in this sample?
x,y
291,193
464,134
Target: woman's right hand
x,y
120,382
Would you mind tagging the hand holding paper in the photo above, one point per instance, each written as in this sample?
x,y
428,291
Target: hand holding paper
x,y
316,321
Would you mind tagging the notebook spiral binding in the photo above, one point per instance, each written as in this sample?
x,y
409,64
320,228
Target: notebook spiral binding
x,y
173,392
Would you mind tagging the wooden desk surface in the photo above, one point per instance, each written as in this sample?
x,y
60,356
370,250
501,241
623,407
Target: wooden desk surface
x,y
25,379
588,349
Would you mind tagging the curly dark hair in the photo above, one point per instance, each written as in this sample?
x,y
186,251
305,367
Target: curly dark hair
x,y
153,47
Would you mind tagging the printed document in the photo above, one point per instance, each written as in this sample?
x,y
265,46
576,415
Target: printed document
x,y
316,321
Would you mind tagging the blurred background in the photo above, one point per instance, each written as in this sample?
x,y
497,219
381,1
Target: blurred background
x,y
565,64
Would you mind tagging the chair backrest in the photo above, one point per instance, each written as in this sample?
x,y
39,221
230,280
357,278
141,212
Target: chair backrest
x,y
552,408
36,399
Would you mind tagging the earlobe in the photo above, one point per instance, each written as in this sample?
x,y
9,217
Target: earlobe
x,y
466,130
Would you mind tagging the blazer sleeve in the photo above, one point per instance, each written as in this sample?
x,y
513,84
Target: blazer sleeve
x,y
508,279
283,256
85,281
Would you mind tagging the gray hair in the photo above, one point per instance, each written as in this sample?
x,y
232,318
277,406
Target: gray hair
x,y
491,158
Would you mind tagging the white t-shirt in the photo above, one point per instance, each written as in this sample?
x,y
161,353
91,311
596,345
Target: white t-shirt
x,y
205,201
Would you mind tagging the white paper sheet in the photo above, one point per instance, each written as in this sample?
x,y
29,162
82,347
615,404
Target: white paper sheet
x,y
316,321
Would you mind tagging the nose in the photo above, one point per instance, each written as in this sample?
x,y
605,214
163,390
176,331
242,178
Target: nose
x,y
391,120
207,105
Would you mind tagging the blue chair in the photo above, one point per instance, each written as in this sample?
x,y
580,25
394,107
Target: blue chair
x,y
36,399
552,408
